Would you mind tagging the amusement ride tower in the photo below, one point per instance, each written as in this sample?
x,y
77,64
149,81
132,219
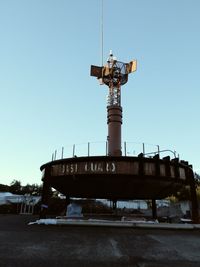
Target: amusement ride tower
x,y
114,74
115,176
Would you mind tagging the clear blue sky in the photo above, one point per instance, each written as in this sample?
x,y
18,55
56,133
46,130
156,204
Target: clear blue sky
x,y
48,99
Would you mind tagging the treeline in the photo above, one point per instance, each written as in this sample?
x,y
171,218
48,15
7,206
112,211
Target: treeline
x,y
16,187
184,193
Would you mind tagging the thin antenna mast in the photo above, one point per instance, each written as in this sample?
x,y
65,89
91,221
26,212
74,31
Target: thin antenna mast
x,y
102,6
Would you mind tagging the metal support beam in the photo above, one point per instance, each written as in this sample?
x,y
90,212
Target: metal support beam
x,y
46,192
154,209
114,204
194,201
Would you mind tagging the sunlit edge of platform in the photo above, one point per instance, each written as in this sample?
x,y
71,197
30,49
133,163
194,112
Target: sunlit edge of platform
x,y
120,224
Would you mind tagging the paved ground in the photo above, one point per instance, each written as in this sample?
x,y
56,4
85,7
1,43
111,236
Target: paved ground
x,y
73,246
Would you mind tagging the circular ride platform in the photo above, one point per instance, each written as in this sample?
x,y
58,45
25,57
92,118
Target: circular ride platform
x,y
115,178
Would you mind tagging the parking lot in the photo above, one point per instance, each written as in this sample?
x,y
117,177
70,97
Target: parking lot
x,y
38,245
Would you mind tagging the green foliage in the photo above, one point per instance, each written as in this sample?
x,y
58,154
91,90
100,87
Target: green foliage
x,y
183,194
32,189
4,188
172,199
197,179
198,192
15,187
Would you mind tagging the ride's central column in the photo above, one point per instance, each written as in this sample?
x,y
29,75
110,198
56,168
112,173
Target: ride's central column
x,y
114,121
114,74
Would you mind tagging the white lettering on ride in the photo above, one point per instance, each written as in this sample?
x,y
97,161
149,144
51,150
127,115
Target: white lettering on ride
x,y
83,167
69,168
99,167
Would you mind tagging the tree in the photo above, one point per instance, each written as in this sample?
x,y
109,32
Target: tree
x,y
16,187
197,178
32,189
4,188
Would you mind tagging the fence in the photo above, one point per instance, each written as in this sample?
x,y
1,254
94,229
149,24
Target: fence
x,y
129,149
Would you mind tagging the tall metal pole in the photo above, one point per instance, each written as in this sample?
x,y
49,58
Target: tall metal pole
x,y
102,37
114,114
62,153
